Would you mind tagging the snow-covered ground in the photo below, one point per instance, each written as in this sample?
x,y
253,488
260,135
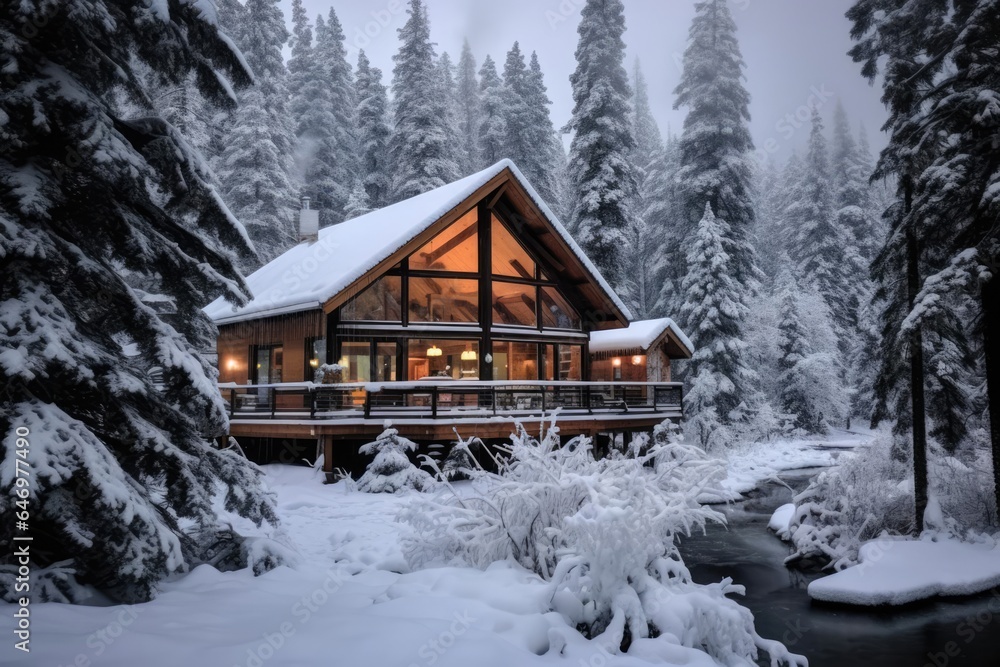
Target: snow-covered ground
x,y
352,599
350,602
750,465
898,571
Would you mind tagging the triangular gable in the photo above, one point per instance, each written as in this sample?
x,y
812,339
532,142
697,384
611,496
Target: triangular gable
x,y
350,256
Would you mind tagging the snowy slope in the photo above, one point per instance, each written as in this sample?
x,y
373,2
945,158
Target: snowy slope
x,y
310,274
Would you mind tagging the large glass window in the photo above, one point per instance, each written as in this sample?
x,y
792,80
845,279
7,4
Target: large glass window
x,y
455,249
509,256
315,356
443,300
356,360
379,302
515,361
557,313
514,304
570,362
455,359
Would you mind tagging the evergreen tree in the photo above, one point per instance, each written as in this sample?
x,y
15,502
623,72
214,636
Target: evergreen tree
x,y
358,203
493,127
716,149
257,160
373,133
541,165
301,59
420,147
644,234
391,470
468,111
823,252
662,213
942,106
599,163
516,113
125,483
331,178
850,171
713,312
770,192
447,96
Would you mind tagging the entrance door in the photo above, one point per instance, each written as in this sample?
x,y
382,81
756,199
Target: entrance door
x,y
267,370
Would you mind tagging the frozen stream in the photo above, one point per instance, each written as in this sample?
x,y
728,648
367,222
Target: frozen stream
x,y
836,636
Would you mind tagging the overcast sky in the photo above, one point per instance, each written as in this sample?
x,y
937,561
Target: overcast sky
x,y
795,50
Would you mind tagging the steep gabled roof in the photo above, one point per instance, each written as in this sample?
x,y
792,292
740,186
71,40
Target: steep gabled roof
x,y
311,274
642,336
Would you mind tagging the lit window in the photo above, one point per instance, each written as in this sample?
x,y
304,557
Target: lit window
x,y
379,302
455,249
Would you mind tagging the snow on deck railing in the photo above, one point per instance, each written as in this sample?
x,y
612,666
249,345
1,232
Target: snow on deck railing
x,y
442,397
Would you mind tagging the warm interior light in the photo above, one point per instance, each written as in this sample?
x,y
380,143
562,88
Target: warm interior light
x,y
616,362
314,362
637,360
469,355
434,351
231,364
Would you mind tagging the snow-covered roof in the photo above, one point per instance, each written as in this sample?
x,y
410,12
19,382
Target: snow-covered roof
x,y
310,274
638,335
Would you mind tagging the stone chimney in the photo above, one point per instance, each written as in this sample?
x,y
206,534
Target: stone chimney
x,y
308,223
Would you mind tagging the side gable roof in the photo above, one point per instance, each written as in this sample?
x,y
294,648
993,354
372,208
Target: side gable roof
x,y
642,336
311,274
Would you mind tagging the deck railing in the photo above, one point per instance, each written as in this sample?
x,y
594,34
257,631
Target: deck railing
x,y
433,399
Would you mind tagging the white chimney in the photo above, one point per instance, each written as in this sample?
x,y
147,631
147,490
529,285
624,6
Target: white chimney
x,y
308,223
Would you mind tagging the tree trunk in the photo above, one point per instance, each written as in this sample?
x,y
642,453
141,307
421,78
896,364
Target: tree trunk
x,y
990,296
916,377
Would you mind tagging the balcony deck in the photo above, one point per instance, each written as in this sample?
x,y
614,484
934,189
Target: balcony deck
x,y
435,408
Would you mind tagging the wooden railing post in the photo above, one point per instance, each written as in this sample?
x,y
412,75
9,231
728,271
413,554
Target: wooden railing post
x,y
434,402
368,403
313,400
273,395
232,403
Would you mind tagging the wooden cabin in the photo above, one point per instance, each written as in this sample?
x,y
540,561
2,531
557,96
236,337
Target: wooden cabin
x,y
641,352
465,308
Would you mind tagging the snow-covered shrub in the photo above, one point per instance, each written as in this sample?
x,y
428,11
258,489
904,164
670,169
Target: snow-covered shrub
x,y
867,494
329,374
602,532
460,463
391,470
54,583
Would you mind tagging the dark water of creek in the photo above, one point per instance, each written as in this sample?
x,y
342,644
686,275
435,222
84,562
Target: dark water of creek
x,y
917,635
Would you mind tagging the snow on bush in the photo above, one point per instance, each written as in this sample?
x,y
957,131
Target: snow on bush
x,y
871,493
842,508
602,533
392,471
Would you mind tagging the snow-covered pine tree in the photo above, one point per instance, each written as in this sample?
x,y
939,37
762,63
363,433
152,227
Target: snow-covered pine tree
x,y
770,195
809,383
391,470
257,161
468,111
599,152
447,100
541,166
716,149
373,132
850,172
333,124
301,59
515,74
644,235
822,251
125,481
419,148
714,309
943,120
493,124
663,216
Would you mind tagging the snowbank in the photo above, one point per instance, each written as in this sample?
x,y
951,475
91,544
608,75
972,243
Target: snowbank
x,y
895,572
781,520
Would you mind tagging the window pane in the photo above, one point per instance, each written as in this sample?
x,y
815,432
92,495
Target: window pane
x,y
444,300
454,249
514,304
556,311
456,359
548,362
385,362
515,361
571,362
509,256
356,360
315,356
379,302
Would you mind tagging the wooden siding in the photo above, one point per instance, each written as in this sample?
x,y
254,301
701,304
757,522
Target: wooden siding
x,y
236,342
